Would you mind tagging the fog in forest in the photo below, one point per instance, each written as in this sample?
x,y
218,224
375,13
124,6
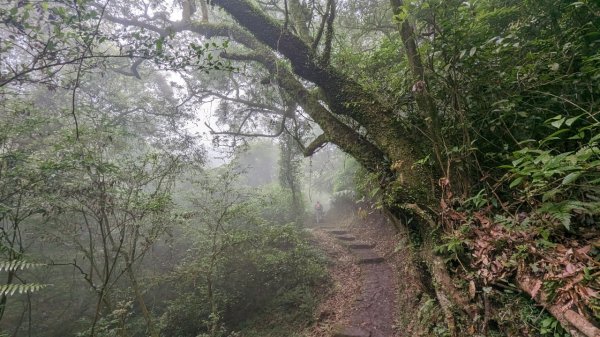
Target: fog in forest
x,y
323,168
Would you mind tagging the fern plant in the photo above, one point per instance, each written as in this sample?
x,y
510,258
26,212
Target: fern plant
x,y
18,265
13,266
561,183
11,289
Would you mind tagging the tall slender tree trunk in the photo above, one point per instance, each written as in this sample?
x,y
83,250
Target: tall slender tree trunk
x,y
425,101
140,299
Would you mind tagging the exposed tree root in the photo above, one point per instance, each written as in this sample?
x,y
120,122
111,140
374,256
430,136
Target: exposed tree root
x,y
574,323
449,299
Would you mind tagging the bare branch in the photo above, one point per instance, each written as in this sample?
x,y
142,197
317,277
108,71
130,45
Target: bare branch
x,y
266,108
319,35
88,48
242,134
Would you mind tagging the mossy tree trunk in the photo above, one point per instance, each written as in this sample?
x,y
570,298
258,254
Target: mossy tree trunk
x,y
344,97
382,144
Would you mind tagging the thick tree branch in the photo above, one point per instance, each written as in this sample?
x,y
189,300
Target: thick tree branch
x,y
336,131
425,101
315,145
577,325
343,95
300,19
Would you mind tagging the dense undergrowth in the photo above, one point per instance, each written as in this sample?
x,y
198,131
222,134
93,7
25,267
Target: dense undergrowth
x,y
543,227
131,238
491,107
485,256
265,284
517,170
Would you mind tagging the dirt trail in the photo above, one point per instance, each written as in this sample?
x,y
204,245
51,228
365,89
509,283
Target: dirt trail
x,y
363,300
374,309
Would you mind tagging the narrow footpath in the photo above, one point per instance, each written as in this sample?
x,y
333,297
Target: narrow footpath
x,y
364,299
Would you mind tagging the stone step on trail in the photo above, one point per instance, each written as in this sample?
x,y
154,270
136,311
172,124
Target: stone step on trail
x,y
345,237
362,250
366,256
350,332
337,231
360,245
372,312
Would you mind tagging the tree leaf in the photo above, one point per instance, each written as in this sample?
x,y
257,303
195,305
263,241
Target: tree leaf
x,y
159,45
516,182
571,120
569,178
558,123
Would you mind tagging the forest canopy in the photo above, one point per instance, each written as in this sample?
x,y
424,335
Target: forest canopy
x,y
473,126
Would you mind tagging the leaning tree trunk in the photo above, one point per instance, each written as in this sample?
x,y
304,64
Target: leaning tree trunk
x,y
345,97
381,146
447,295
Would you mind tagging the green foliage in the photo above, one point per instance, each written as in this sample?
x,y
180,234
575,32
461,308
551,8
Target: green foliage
x,y
453,245
549,326
560,183
19,288
289,175
345,176
291,311
18,265
512,81
113,323
497,72
12,289
431,317
273,203
270,270
59,35
477,201
184,315
59,195
519,316
367,184
343,198
246,264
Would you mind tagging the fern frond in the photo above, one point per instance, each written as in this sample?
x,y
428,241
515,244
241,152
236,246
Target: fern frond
x,y
18,265
11,289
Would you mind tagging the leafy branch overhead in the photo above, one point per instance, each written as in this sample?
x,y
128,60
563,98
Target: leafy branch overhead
x,y
19,288
472,125
12,289
18,265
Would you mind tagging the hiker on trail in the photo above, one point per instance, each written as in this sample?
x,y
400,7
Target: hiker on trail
x,y
319,212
